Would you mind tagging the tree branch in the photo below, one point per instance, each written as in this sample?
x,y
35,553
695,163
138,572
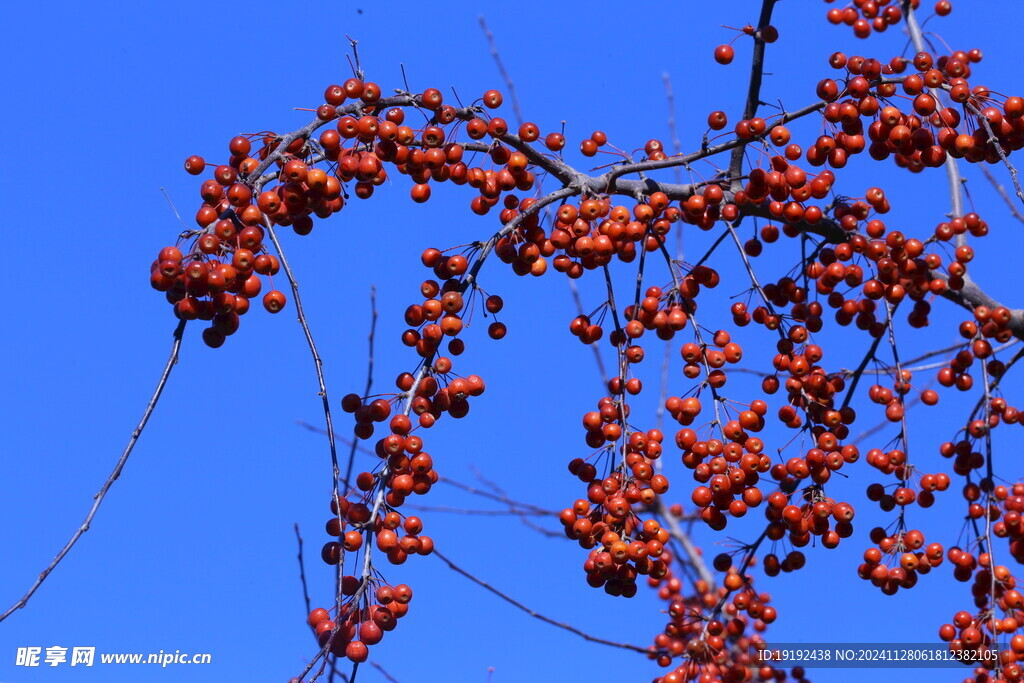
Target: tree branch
x,y
533,613
98,498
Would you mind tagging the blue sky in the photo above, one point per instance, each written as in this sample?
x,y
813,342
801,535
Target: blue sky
x,y
194,548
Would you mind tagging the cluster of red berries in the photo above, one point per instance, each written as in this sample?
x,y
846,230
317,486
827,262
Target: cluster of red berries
x,y
1010,523
818,515
923,136
897,560
895,462
981,630
202,287
353,629
622,544
987,324
716,631
867,16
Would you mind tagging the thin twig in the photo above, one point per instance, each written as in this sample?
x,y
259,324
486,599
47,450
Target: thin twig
x,y
358,68
501,69
1002,193
595,347
302,572
175,210
318,365
383,673
499,498
369,376
533,613
317,362
483,513
98,498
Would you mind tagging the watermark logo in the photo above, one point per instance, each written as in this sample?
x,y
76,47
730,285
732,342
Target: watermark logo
x,y
876,655
56,655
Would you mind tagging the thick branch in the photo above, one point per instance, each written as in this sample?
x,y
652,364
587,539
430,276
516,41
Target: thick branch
x,y
756,76
970,296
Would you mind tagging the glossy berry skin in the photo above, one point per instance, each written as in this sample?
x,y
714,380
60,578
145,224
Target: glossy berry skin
x,y
274,301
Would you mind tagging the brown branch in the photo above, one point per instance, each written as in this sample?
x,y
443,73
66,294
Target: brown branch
x,y
339,575
378,501
357,68
533,613
904,432
98,498
318,365
317,362
989,498
175,210
485,494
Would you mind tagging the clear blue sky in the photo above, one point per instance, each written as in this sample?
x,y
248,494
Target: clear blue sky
x,y
193,549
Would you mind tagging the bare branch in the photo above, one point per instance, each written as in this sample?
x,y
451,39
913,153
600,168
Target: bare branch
x,y
98,498
317,362
383,673
533,613
369,377
302,572
1002,193
595,346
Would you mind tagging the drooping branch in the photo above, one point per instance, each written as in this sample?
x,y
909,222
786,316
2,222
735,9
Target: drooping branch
x,y
533,613
317,362
388,677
